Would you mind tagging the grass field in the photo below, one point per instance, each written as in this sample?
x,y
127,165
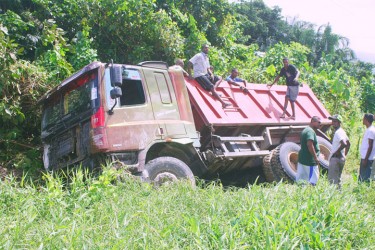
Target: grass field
x,y
118,212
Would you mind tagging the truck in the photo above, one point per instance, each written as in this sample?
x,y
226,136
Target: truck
x,y
161,126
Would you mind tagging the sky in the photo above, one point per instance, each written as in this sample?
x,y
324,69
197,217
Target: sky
x,y
353,19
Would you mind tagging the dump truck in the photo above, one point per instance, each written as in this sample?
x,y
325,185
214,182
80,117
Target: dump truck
x,y
161,126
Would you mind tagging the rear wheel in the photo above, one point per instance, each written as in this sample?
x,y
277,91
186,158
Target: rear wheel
x,y
325,148
167,169
285,159
267,168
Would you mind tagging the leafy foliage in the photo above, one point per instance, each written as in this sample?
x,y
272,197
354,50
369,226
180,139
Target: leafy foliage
x,y
260,24
81,52
21,83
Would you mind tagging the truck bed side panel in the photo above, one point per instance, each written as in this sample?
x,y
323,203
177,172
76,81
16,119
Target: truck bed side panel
x,y
260,107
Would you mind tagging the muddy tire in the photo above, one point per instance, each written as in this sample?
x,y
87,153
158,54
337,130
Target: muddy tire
x,y
325,150
284,161
167,169
267,169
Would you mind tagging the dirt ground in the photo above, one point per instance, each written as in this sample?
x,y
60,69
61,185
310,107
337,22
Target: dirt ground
x,y
5,172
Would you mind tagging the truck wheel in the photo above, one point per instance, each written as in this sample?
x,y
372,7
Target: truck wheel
x,y
325,150
267,168
167,169
285,160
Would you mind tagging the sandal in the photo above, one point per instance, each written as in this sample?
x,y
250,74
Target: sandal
x,y
282,116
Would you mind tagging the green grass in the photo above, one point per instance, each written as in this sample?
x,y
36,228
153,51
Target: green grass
x,y
109,212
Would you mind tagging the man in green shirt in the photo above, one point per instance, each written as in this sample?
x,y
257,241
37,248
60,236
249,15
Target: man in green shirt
x,y
308,163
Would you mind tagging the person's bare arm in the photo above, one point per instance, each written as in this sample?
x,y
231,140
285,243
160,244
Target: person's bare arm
x,y
232,82
245,82
347,147
310,146
369,150
244,89
209,71
297,75
337,153
189,68
185,73
274,81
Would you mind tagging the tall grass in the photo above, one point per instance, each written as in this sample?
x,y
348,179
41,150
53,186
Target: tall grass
x,y
109,212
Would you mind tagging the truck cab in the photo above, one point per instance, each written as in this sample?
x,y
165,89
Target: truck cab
x,y
83,123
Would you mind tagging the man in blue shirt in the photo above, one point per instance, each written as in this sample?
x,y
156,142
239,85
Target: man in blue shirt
x,y
234,80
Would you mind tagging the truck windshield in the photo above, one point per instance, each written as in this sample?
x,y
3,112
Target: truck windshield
x,y
75,101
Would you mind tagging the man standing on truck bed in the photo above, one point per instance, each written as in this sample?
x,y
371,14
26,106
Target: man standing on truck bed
x,y
291,74
202,73
308,168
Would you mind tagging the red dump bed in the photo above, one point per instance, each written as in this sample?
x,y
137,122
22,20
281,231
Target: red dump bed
x,y
260,106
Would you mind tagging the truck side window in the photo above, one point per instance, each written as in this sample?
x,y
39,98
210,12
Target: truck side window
x,y
132,88
164,91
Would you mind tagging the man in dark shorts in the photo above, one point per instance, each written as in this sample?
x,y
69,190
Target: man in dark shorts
x,y
291,74
202,73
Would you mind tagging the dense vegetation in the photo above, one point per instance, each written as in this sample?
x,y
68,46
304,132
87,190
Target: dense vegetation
x,y
104,213
44,41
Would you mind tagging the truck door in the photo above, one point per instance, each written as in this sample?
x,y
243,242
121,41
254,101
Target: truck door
x,y
164,103
132,125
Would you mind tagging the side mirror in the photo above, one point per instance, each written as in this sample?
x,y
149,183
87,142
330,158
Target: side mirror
x,y
116,92
116,75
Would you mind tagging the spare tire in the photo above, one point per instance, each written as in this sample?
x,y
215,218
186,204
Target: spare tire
x,y
267,168
325,148
285,160
167,169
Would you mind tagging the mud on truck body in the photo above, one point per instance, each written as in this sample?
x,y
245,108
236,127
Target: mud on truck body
x,y
161,126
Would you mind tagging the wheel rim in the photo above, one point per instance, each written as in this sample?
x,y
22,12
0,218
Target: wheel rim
x,y
324,152
165,177
293,160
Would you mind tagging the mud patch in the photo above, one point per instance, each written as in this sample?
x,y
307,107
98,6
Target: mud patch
x,y
5,172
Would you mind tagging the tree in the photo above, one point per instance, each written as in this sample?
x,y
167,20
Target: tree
x,y
261,24
330,43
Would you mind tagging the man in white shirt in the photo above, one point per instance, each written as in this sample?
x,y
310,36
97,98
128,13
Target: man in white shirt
x,y
340,149
367,149
202,73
